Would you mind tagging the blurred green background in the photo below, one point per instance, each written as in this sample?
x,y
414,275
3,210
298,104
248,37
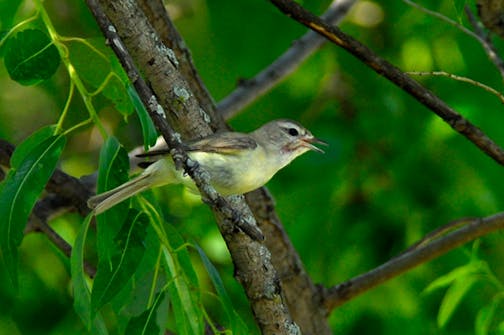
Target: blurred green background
x,y
393,170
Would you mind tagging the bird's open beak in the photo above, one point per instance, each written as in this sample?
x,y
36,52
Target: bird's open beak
x,y
309,141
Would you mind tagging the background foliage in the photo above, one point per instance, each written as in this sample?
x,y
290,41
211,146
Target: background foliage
x,y
393,170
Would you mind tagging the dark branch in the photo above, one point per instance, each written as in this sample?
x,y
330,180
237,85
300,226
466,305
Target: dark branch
x,y
395,75
471,230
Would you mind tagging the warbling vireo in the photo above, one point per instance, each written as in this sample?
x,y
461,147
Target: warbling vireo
x,y
237,163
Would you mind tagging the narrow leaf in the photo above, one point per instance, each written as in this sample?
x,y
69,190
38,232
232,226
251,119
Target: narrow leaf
x,y
148,130
112,172
235,322
455,274
453,297
114,275
484,318
82,295
188,316
30,57
149,323
31,169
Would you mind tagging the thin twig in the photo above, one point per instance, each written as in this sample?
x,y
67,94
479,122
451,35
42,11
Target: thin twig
x,y
460,78
396,76
424,252
445,19
487,44
478,33
249,90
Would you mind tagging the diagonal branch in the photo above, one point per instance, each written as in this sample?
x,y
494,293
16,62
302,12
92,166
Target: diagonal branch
x,y
300,292
252,260
396,76
249,90
471,230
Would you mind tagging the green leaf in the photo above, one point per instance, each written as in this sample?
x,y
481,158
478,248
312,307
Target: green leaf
x,y
187,311
484,318
8,10
32,166
148,130
112,276
82,295
455,274
152,320
453,297
94,68
235,322
30,57
112,172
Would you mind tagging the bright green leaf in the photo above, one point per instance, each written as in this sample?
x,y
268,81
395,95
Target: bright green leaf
x,y
453,297
31,169
94,69
130,248
484,318
456,274
148,130
30,57
113,171
187,311
24,149
82,296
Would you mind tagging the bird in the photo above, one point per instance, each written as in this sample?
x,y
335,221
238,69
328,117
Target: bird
x,y
236,162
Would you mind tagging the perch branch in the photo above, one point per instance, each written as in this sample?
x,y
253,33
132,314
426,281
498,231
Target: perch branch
x,y
251,259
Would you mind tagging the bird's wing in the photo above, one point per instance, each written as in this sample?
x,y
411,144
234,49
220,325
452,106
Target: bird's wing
x,y
224,143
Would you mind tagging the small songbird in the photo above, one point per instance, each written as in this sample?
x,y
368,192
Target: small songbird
x,y
236,163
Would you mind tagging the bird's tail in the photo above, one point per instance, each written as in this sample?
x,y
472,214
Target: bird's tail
x,y
157,174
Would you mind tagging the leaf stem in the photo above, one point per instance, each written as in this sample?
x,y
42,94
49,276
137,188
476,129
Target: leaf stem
x,y
74,77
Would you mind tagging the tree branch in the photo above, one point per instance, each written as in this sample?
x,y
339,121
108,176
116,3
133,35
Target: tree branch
x,y
252,260
155,12
249,90
395,75
483,38
307,312
473,229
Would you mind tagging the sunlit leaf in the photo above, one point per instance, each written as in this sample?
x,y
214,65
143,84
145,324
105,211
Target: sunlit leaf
x,y
484,318
30,57
94,68
130,248
31,168
82,295
453,297
456,274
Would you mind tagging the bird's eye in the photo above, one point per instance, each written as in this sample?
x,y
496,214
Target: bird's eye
x,y
293,132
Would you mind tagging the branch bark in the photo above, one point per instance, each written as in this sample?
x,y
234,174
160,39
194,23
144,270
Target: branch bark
x,y
252,260
395,75
475,228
